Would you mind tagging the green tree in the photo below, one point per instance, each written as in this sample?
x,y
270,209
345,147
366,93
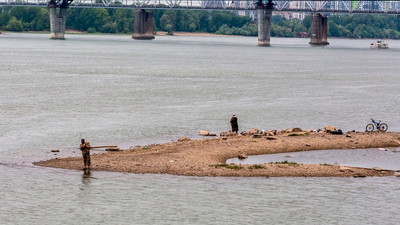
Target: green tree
x,y
83,19
169,28
204,20
110,27
14,24
4,18
192,27
306,22
164,21
91,30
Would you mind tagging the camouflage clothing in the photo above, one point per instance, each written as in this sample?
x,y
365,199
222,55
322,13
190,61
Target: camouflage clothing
x,y
85,148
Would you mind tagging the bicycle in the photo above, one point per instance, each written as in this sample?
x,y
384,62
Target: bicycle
x,y
379,126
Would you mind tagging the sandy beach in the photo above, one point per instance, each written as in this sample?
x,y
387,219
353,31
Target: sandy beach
x,y
179,33
207,157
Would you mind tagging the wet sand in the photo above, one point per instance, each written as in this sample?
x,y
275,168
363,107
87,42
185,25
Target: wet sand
x,y
207,157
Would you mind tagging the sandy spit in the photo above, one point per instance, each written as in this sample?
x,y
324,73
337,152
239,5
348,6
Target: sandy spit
x,y
201,157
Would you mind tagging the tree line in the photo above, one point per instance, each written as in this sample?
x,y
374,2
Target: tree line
x,y
220,22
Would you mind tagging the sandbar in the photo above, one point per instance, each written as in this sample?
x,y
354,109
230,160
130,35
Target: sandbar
x,y
207,157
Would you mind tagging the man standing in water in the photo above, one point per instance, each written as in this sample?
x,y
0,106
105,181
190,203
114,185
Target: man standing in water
x,y
85,148
234,124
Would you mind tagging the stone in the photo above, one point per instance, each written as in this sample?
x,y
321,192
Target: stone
x,y
270,134
266,132
282,131
55,150
212,134
297,129
203,133
308,145
337,132
348,135
222,134
231,133
377,168
224,138
257,136
309,130
344,169
330,128
112,149
182,139
381,149
270,138
244,133
253,131
242,156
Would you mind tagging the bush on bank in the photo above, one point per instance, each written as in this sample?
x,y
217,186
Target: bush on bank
x,y
93,20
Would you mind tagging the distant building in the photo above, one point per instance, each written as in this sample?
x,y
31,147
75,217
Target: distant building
x,y
246,4
298,5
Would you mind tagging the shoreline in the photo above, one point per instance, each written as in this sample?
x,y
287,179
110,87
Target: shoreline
x,y
177,33
197,34
207,157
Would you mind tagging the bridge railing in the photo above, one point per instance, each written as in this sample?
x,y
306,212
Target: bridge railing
x,y
373,7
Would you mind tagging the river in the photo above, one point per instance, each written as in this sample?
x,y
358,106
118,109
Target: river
x,y
111,89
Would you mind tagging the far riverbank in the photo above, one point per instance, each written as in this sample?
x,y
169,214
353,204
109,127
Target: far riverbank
x,y
176,33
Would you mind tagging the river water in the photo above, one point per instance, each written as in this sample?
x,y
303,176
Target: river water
x,y
115,90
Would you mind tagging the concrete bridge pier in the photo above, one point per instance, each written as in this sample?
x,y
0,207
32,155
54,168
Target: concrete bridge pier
x,y
264,12
143,27
319,30
57,22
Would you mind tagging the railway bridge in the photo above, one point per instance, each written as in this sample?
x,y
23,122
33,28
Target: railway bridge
x,y
143,27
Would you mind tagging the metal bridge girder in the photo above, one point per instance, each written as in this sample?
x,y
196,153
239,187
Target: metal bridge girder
x,y
309,6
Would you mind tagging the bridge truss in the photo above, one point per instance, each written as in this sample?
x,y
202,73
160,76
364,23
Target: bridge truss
x,y
345,7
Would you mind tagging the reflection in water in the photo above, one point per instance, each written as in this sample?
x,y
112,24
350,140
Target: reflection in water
x,y
86,190
86,176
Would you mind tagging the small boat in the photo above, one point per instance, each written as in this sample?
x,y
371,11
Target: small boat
x,y
379,45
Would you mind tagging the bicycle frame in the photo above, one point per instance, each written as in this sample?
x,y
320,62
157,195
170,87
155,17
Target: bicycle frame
x,y
377,125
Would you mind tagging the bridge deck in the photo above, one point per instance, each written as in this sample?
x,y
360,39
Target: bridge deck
x,y
342,7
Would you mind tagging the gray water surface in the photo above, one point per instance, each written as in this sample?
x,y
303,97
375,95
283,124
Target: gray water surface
x,y
386,158
115,90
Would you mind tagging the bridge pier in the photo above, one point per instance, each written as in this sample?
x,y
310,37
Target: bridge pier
x,y
143,27
264,12
319,30
57,22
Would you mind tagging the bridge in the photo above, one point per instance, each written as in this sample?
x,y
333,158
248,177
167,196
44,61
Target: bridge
x,y
143,27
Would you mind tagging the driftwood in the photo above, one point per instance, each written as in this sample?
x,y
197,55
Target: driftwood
x,y
105,146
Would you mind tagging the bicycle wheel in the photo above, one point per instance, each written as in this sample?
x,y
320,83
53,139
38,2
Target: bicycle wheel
x,y
383,127
370,127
